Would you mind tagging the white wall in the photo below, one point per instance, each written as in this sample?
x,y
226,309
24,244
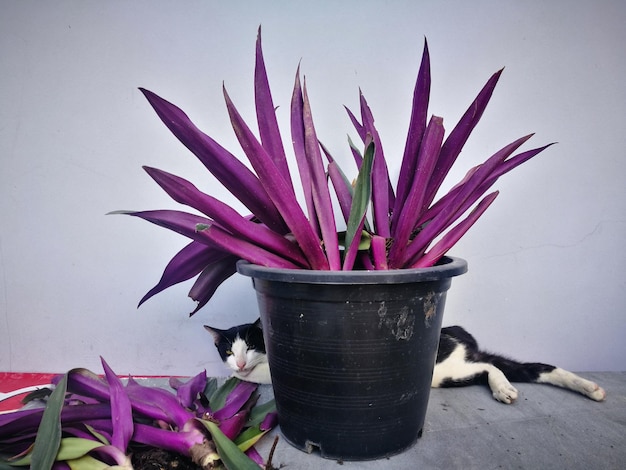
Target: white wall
x,y
546,262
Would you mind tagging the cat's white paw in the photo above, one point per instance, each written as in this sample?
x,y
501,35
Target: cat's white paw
x,y
500,386
593,390
563,378
505,392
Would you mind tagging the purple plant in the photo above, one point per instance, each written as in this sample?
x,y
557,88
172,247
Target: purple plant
x,y
101,419
409,227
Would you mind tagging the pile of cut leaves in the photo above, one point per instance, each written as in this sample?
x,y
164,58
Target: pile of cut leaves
x,y
94,422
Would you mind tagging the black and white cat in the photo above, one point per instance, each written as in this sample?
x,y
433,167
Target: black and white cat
x,y
459,362
243,351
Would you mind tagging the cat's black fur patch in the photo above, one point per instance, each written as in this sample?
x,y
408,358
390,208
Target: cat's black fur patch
x,y
515,371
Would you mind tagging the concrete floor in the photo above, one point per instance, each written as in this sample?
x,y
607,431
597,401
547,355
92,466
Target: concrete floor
x,y
547,428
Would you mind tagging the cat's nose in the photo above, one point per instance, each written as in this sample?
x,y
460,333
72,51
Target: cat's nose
x,y
241,364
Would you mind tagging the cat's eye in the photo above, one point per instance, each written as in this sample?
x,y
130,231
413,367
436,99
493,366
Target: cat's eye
x,y
229,353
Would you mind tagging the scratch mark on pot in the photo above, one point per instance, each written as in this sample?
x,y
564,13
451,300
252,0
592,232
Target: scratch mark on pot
x,y
401,324
404,326
382,313
430,307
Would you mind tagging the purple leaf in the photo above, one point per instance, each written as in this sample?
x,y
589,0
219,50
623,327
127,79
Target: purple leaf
x,y
210,279
456,140
187,263
454,235
379,252
184,192
382,192
444,200
235,400
353,248
12,424
417,127
233,174
158,403
266,115
320,191
366,261
79,430
84,382
232,426
188,392
203,230
409,213
177,221
254,455
297,137
121,411
269,422
517,160
342,188
505,167
246,250
360,128
176,441
279,191
449,213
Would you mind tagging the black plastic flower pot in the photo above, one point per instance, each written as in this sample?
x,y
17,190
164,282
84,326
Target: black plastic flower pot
x,y
352,354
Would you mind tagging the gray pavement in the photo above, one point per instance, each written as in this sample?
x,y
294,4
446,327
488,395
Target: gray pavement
x,y
547,428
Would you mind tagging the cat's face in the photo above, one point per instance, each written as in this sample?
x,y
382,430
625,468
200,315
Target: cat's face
x,y
240,347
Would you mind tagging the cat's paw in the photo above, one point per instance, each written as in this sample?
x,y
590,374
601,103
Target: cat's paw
x,y
505,392
593,390
500,386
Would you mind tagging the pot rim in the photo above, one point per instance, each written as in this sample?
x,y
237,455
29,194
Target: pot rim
x,y
447,267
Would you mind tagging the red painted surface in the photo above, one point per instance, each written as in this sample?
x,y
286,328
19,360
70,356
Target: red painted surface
x,y
10,381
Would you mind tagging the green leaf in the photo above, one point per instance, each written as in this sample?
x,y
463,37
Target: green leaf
x,y
48,437
249,437
210,388
75,447
258,413
97,435
362,193
87,462
364,243
355,150
218,399
70,448
231,455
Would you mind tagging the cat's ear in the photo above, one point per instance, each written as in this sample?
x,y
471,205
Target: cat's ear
x,y
258,323
217,334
